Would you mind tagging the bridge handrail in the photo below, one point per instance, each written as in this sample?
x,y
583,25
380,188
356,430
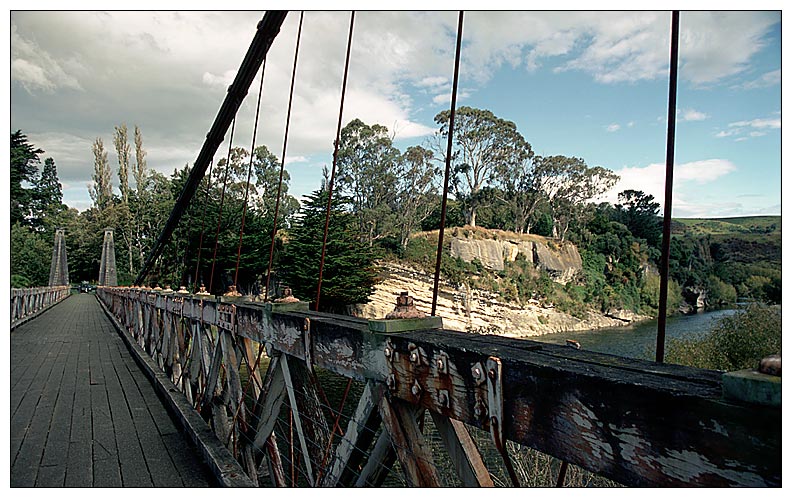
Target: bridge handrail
x,y
636,422
27,302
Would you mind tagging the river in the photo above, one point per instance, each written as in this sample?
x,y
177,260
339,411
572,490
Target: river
x,y
639,340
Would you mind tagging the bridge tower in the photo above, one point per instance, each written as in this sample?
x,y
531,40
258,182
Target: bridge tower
x,y
107,268
59,269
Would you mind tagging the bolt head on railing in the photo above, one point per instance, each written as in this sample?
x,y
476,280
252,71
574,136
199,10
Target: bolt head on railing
x,y
157,288
182,290
202,291
771,365
287,297
405,308
167,289
232,292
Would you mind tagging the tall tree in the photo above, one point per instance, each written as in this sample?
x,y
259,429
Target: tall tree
x,y
348,276
48,198
366,163
416,190
140,174
121,144
522,185
484,143
24,169
570,184
139,171
101,190
639,212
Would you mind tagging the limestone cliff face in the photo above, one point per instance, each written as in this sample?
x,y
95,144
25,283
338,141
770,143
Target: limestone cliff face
x,y
493,247
472,310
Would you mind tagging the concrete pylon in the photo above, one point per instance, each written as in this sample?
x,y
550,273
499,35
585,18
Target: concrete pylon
x,y
107,268
59,269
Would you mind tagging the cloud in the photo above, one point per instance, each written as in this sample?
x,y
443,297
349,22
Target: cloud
x,y
651,180
758,123
691,115
619,47
35,69
768,79
612,128
168,71
743,130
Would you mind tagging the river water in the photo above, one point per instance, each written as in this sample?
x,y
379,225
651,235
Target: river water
x,y
639,340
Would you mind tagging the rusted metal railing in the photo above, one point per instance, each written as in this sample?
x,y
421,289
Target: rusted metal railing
x,y
258,372
27,303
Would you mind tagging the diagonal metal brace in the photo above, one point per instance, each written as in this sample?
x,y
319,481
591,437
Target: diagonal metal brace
x,y
495,402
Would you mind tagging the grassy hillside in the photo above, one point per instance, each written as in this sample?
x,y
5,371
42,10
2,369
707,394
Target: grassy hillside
x,y
747,225
743,252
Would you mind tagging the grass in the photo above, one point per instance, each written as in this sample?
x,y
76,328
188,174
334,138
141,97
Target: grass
x,y
735,342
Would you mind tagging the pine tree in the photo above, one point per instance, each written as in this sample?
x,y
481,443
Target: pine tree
x,y
24,158
348,276
48,198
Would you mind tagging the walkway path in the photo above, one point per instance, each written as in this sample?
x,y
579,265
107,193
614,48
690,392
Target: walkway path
x,y
82,412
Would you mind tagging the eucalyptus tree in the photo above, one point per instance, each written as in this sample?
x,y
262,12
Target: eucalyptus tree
x,y
366,164
484,146
416,190
569,185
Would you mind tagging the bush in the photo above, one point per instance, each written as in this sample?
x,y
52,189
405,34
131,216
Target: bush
x,y
735,342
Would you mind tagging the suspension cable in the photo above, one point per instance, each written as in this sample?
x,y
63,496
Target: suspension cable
x,y
222,200
447,165
250,168
335,161
203,224
669,185
283,158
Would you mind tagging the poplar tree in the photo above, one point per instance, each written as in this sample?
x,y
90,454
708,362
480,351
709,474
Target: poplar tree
x,y
101,190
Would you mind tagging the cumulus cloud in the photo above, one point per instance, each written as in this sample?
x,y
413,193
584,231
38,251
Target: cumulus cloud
x,y
691,115
35,69
612,128
651,180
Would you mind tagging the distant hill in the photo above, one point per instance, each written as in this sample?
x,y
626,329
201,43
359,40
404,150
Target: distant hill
x,y
744,252
744,225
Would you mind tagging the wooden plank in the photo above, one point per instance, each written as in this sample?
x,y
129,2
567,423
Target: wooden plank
x,y
357,438
463,452
134,472
379,463
298,423
414,454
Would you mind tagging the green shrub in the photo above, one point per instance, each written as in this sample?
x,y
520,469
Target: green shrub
x,y
735,342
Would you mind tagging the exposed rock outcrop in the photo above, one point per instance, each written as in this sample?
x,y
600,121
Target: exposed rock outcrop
x,y
466,309
695,300
493,248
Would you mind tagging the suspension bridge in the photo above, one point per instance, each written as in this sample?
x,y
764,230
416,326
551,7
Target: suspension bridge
x,y
154,387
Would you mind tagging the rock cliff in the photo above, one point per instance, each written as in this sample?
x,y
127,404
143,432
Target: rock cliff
x,y
493,248
473,310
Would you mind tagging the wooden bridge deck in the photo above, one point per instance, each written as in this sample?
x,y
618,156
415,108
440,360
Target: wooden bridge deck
x,y
82,412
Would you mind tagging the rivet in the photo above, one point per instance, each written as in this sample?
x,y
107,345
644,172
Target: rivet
x,y
492,373
439,363
416,389
387,352
477,373
443,397
414,357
